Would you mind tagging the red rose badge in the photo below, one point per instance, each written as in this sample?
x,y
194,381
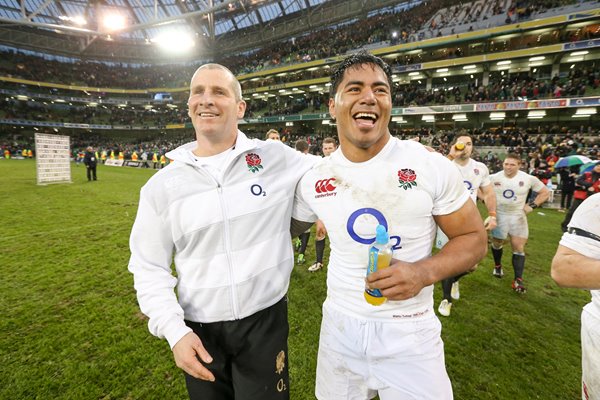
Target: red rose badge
x,y
407,178
254,162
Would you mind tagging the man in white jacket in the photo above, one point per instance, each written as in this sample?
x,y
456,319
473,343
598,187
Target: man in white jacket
x,y
221,214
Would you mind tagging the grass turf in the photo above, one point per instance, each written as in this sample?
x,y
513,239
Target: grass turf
x,y
71,327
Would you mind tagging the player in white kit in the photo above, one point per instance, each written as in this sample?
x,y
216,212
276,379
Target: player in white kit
x,y
393,350
512,188
577,265
476,178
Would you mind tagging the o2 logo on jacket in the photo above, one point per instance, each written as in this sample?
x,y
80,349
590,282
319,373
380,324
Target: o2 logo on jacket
x,y
395,240
257,190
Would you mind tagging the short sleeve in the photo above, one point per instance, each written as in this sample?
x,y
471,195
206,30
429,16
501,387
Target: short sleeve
x,y
536,184
301,210
450,193
587,218
485,175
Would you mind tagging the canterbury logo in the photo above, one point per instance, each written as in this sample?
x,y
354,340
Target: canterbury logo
x,y
325,185
325,188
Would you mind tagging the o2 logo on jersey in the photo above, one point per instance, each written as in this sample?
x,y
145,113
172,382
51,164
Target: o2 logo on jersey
x,y
380,219
469,186
508,194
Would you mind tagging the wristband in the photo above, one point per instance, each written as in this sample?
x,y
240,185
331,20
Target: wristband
x,y
533,205
492,213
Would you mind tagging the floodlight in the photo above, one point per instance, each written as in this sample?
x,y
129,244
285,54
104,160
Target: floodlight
x,y
113,22
536,114
174,42
586,111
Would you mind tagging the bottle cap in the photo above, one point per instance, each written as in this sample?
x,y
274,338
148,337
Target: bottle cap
x,y
381,235
459,146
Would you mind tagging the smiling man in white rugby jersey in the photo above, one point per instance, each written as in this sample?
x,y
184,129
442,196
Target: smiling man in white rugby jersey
x,y
374,179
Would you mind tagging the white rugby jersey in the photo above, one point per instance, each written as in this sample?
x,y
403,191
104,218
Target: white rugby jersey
x,y
586,217
401,188
511,193
475,175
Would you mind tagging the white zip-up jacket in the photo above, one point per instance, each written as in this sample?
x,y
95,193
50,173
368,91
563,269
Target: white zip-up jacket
x,y
230,240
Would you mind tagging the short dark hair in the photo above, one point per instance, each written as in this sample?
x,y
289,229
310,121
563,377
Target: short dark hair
x,y
514,156
354,61
329,139
301,145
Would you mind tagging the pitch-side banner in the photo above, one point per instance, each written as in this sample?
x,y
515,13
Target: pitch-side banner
x,y
53,161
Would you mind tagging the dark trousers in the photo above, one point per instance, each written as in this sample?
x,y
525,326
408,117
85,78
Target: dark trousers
x,y
250,357
91,173
565,199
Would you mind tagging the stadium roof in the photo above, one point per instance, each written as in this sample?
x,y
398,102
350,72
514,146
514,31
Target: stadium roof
x,y
77,28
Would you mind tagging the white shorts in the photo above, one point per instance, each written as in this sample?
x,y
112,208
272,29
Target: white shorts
x,y
590,354
397,360
440,239
514,225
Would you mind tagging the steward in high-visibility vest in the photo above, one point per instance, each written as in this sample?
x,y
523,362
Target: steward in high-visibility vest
x,y
112,154
29,153
7,154
103,156
24,153
121,155
163,160
154,160
134,156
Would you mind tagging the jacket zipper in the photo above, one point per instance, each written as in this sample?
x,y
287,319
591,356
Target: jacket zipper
x,y
226,242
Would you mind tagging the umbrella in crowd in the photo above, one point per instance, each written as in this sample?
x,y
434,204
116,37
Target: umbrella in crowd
x,y
571,161
588,167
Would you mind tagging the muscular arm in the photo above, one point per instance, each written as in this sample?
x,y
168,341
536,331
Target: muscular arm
x,y
489,198
572,269
542,196
466,247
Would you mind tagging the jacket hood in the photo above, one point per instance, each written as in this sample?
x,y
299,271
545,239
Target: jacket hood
x,y
183,152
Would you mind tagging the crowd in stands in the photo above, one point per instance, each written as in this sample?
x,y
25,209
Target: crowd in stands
x,y
327,42
536,146
579,82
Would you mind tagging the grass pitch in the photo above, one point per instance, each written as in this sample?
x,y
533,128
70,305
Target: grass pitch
x,y
71,327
